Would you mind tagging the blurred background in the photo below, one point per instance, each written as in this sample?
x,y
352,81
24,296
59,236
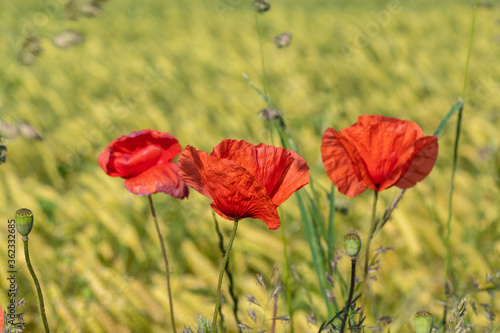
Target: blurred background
x,y
76,75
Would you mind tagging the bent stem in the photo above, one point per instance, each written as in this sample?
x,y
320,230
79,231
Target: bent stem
x,y
351,292
165,259
367,254
37,284
221,275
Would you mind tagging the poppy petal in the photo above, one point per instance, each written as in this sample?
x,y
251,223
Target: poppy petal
x,y
235,191
382,143
280,171
338,164
189,162
104,163
265,163
238,194
421,163
159,178
130,165
128,144
296,177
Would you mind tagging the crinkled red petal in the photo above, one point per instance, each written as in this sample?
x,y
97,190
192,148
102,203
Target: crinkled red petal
x,y
292,180
280,171
420,164
159,178
235,191
384,144
339,158
188,170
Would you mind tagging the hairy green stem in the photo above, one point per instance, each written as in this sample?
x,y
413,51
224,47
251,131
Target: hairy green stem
x,y
232,292
367,253
165,259
37,284
351,292
221,275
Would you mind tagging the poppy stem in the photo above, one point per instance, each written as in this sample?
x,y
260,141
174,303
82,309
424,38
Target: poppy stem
x,y
221,275
367,254
165,259
37,284
351,292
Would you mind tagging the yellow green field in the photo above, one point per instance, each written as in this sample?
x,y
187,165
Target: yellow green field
x,y
176,66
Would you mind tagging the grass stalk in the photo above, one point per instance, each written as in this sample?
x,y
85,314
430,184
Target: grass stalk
x,y
287,279
262,58
165,260
221,275
448,264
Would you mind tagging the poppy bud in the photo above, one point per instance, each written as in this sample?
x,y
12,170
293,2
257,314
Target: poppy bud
x,y
352,244
24,221
423,322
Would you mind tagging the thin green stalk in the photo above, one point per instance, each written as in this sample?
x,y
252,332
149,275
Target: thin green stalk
x,y
351,292
331,231
232,292
287,280
221,275
37,284
264,76
165,259
448,265
367,253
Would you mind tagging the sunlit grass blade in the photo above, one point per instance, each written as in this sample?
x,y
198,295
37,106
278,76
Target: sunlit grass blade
x,y
263,96
457,107
318,258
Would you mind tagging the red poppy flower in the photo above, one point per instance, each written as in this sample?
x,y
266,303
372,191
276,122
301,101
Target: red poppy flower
x,y
376,153
244,180
144,159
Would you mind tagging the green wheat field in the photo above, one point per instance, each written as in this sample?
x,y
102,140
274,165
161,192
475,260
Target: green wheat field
x,y
176,67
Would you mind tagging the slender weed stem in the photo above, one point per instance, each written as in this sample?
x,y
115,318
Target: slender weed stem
x,y
221,275
262,58
165,259
37,284
287,279
448,265
351,292
275,312
367,253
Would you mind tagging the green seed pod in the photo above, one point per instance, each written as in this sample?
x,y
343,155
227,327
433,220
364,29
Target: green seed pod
x,y
424,321
24,221
352,244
